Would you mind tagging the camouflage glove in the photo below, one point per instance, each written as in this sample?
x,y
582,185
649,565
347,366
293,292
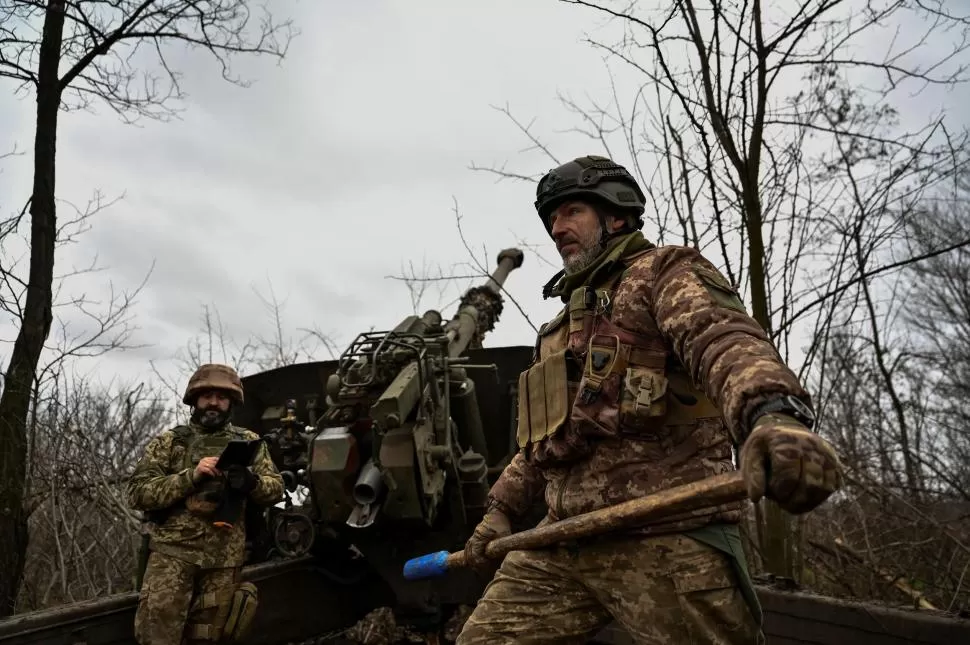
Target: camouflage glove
x,y
494,525
240,478
788,463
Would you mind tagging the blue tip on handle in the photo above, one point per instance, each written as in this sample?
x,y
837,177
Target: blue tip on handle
x,y
431,565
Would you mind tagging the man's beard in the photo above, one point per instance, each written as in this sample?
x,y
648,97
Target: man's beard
x,y
210,417
589,251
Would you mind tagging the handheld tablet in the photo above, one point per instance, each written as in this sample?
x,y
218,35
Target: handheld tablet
x,y
238,452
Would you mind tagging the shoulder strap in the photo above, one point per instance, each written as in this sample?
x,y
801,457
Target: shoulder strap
x,y
613,283
182,434
602,298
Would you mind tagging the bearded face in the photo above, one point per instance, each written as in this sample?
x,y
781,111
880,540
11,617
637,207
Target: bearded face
x,y
212,409
577,231
585,249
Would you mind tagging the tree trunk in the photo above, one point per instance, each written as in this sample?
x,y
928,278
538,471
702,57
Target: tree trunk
x,y
778,543
37,315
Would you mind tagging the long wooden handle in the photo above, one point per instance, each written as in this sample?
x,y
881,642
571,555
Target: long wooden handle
x,y
712,491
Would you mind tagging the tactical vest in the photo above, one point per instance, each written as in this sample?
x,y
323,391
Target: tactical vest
x,y
196,446
199,445
593,378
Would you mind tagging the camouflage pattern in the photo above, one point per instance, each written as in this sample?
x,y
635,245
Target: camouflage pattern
x,y
213,376
489,310
663,589
494,524
162,480
165,604
456,622
684,332
804,469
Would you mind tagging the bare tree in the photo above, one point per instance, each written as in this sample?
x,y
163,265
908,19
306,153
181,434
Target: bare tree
x,y
219,341
73,56
282,348
86,327
419,282
460,276
85,440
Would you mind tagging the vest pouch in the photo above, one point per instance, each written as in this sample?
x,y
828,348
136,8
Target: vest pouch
x,y
207,496
595,408
206,500
643,401
201,445
543,399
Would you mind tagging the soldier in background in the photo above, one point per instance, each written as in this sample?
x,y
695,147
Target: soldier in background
x,y
647,379
191,584
289,445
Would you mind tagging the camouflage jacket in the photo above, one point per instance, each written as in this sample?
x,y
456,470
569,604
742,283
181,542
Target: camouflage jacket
x,y
642,382
161,480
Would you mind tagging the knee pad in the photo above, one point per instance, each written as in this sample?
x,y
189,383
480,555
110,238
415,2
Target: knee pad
x,y
242,610
224,616
207,615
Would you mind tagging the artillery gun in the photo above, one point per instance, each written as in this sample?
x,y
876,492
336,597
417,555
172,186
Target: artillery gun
x,y
389,418
395,458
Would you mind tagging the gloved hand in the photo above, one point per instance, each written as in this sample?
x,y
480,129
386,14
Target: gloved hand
x,y
788,463
241,478
494,525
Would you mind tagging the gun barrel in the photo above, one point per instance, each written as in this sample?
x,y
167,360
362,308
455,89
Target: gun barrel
x,y
481,306
508,261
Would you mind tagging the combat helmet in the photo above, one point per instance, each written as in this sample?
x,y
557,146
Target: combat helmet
x,y
213,376
590,176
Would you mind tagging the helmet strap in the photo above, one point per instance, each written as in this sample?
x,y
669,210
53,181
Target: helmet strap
x,y
606,234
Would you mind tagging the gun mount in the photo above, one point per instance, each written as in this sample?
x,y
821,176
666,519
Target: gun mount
x,y
396,439
390,431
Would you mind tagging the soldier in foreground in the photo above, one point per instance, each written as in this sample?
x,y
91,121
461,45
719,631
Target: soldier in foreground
x,y
646,379
191,587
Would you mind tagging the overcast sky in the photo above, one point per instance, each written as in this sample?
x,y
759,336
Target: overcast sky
x,y
328,174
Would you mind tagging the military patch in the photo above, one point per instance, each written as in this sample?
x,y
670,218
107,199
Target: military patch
x,y
600,360
719,289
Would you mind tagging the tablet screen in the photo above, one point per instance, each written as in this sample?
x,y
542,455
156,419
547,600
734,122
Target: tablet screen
x,y
238,451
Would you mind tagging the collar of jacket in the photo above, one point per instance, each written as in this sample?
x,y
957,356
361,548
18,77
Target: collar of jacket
x,y
563,284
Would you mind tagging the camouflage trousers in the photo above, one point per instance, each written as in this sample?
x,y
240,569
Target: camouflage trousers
x,y
166,607
668,589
